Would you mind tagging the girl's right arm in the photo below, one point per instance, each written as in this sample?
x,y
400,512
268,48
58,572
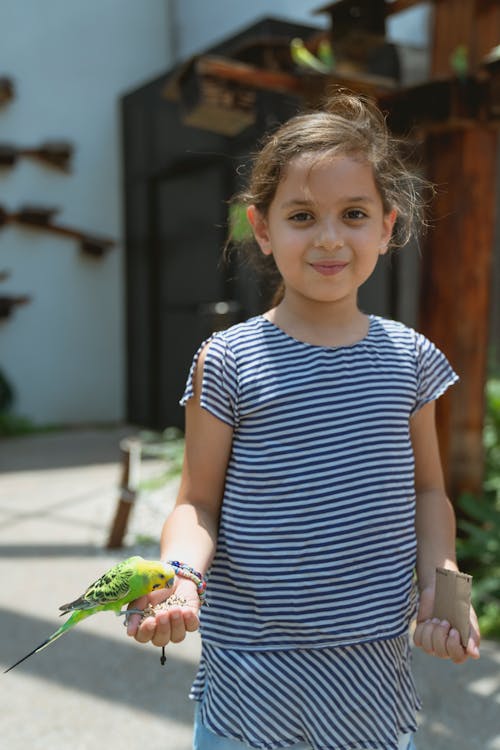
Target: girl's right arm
x,y
190,531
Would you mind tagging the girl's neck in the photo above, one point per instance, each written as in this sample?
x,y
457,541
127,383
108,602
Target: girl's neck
x,y
321,324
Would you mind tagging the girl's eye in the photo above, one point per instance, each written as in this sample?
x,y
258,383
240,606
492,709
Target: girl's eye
x,y
355,214
301,216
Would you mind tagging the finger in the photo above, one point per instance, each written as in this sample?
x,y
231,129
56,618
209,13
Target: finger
x,y
146,630
162,632
440,637
417,635
473,648
474,637
456,651
177,627
134,620
191,620
139,603
427,637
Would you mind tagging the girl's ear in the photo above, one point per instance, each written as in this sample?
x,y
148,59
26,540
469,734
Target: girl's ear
x,y
260,229
388,226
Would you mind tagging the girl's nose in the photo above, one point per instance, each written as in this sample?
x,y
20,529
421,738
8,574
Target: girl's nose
x,y
328,238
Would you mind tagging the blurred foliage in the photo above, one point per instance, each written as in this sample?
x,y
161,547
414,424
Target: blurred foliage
x,y
479,546
239,226
6,393
12,424
167,446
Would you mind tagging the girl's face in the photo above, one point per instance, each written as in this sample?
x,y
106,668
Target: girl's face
x,y
325,227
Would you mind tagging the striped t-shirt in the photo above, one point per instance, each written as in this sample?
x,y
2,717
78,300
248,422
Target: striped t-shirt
x,y
316,546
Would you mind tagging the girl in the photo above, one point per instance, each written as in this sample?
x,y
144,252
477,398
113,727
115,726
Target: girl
x,y
312,484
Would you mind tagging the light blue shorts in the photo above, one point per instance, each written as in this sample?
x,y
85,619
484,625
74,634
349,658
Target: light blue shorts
x,y
204,739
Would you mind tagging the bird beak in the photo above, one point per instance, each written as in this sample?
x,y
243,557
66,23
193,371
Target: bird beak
x,y
170,573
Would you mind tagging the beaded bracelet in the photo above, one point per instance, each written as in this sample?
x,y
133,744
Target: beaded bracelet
x,y
184,571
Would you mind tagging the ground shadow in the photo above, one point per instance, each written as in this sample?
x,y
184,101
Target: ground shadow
x,y
106,668
64,448
37,551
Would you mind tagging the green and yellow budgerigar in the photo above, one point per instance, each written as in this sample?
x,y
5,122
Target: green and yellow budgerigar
x,y
304,58
121,584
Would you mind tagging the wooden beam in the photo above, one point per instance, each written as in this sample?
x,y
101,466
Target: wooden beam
x,y
248,75
455,287
307,85
391,8
400,5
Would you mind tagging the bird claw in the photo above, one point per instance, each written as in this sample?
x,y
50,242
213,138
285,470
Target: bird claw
x,y
127,612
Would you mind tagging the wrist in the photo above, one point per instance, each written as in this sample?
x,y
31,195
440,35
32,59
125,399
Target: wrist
x,y
427,579
186,571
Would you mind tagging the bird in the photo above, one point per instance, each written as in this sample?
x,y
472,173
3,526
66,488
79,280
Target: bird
x,y
325,54
459,61
302,57
121,584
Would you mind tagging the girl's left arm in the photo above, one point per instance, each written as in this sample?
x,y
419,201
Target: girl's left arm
x,y
435,528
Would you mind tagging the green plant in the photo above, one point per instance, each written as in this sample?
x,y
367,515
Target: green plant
x,y
479,547
6,393
11,425
167,445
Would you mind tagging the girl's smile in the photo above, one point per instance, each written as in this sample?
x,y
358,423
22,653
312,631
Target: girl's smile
x,y
328,267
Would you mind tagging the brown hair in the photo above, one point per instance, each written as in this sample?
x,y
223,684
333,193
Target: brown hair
x,y
348,124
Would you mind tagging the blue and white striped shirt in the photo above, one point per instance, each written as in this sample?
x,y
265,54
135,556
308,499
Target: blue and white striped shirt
x,y
316,545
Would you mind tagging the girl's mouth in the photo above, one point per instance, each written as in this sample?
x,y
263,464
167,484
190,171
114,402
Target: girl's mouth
x,y
328,267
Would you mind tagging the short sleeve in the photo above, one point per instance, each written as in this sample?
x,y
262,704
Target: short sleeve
x,y
219,390
434,373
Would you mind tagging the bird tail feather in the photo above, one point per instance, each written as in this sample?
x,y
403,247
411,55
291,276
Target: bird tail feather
x,y
75,617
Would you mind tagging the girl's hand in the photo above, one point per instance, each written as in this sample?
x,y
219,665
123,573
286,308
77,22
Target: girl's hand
x,y
439,638
169,625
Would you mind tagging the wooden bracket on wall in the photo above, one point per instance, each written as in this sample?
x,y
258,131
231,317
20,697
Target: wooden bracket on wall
x,y
6,89
56,154
9,301
37,217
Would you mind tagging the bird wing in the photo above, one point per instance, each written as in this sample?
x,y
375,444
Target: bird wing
x,y
112,587
304,58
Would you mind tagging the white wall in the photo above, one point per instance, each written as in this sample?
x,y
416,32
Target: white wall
x,y
71,61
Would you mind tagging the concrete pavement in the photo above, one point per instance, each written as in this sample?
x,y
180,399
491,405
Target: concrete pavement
x,y
94,686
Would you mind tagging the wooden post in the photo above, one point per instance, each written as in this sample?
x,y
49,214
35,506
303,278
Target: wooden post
x,y
455,302
131,459
472,24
